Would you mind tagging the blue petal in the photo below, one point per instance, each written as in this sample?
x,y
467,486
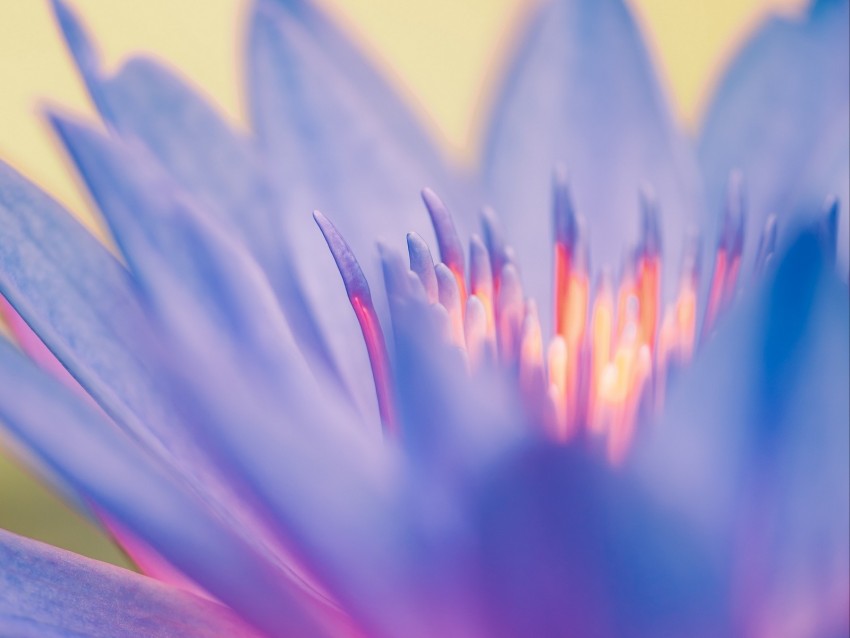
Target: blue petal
x,y
207,159
135,381
331,145
299,454
162,232
264,419
754,447
569,548
80,302
175,250
102,465
780,116
370,84
582,93
47,592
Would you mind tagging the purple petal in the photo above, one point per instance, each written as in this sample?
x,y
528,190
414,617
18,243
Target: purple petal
x,y
99,463
333,146
146,102
372,87
780,115
753,448
582,93
47,592
80,302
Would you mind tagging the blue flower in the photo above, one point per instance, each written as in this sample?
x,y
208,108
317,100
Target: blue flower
x,y
660,453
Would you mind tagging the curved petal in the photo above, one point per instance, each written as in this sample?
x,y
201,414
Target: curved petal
x,y
754,448
582,93
780,116
99,463
47,593
80,302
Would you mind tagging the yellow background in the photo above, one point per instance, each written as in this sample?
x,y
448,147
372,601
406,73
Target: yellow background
x,y
444,55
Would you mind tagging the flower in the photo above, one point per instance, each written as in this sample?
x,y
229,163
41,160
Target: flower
x,y
208,399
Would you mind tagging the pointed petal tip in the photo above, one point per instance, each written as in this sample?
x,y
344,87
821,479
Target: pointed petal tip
x,y
349,268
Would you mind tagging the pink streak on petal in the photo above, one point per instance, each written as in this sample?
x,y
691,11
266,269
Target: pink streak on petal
x,y
148,560
34,347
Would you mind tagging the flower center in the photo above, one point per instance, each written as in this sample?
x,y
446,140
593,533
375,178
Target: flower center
x,y
613,343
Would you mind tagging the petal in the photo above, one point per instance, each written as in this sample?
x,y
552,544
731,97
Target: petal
x,y
48,592
203,288
780,116
146,102
372,87
162,232
753,448
79,300
299,457
582,92
142,496
331,145
570,549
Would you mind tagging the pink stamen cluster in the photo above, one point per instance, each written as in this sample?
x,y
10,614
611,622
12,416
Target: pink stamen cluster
x,y
613,343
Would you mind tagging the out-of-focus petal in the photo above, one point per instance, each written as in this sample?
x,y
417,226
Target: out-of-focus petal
x,y
780,116
148,103
302,460
582,92
372,87
570,549
80,302
160,228
754,448
47,593
332,145
143,496
198,282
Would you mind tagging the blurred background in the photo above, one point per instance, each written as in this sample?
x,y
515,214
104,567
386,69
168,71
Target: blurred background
x,y
444,55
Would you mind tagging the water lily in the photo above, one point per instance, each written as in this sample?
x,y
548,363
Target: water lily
x,y
621,411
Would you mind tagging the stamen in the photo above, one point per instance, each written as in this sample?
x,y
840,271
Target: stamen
x,y
557,365
451,250
450,300
493,239
727,261
610,353
481,280
422,264
361,301
633,370
510,311
479,345
649,271
602,326
531,375
566,237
